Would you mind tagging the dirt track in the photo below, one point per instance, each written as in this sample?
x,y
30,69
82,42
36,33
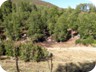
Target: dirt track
x,y
73,54
70,52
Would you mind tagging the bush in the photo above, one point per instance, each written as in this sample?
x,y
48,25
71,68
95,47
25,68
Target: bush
x,y
9,48
78,41
86,41
2,49
59,38
25,51
32,52
38,53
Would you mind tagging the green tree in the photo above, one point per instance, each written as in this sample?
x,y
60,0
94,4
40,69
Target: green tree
x,y
72,20
52,19
35,26
61,27
25,6
92,8
87,25
83,7
6,8
12,26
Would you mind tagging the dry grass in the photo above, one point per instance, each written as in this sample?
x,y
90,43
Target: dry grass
x,y
9,66
62,53
61,56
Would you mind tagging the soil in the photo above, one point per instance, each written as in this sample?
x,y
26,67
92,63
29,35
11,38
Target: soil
x,y
65,52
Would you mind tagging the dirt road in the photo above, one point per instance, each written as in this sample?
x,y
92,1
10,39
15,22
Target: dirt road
x,y
74,54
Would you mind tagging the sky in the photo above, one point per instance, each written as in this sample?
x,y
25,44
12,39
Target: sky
x,y
69,3
65,3
1,2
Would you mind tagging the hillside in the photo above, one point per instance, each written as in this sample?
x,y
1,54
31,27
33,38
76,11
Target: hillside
x,y
37,2
37,37
42,3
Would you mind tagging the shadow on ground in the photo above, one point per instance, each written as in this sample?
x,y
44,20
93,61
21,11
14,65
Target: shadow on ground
x,y
80,67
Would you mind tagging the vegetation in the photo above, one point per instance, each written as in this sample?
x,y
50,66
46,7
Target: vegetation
x,y
23,20
26,21
26,51
29,52
37,23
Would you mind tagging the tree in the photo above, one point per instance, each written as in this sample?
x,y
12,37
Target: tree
x,y
61,27
92,8
16,56
87,25
35,26
12,26
52,19
6,8
72,20
0,14
83,7
25,6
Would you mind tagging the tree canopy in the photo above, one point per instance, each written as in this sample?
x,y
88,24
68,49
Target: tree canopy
x,y
40,22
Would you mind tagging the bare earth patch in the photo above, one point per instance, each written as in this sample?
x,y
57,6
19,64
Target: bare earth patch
x,y
74,54
60,56
62,53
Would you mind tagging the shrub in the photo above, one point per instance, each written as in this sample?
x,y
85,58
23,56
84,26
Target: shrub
x,y
86,41
78,41
32,52
2,49
94,43
25,51
38,53
9,48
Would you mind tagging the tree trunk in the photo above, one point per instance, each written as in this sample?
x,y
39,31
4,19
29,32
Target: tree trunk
x,y
51,65
16,59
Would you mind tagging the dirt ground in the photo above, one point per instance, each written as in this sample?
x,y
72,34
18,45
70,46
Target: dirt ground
x,y
74,54
61,56
62,53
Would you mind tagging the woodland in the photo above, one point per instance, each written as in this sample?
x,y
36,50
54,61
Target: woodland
x,y
24,20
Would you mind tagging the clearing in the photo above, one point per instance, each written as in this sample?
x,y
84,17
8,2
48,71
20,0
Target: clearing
x,y
63,53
